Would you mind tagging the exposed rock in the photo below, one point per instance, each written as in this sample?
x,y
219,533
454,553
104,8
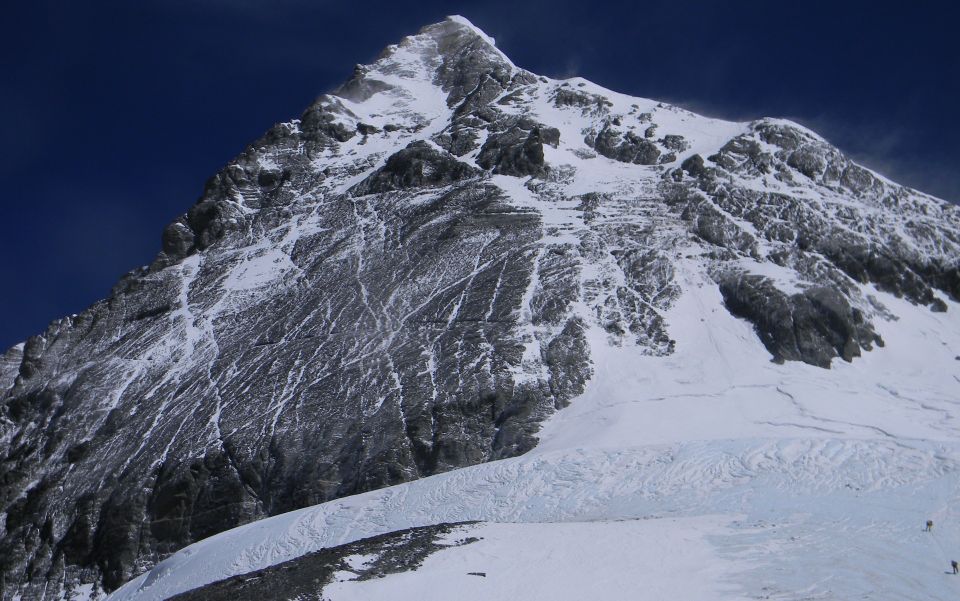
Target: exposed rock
x,y
591,104
10,366
178,239
717,229
694,166
325,122
419,165
518,150
813,326
625,147
466,59
486,91
360,87
460,142
806,161
675,143
848,238
366,129
564,356
743,154
788,138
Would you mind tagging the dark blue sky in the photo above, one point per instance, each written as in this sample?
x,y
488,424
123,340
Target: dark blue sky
x,y
115,112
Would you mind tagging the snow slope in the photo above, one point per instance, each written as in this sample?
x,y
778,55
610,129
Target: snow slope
x,y
750,481
667,558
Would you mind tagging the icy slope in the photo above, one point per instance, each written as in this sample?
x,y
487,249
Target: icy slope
x,y
449,261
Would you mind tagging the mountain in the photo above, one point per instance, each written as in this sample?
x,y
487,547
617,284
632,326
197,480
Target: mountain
x,y
456,291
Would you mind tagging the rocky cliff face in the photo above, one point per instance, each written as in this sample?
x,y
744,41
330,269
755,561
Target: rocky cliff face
x,y
10,365
400,283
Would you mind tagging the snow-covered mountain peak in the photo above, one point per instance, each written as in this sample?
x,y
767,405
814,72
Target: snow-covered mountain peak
x,y
596,301
451,55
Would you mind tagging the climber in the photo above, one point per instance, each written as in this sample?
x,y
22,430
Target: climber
x,y
929,526
953,564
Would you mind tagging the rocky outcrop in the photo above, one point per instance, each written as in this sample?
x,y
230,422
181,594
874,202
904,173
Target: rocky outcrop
x,y
419,165
813,326
888,239
326,121
518,149
590,104
626,147
10,366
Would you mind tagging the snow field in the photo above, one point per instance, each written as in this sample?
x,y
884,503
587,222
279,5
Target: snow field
x,y
786,510
635,559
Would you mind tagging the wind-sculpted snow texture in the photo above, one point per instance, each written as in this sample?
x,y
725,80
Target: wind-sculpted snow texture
x,y
303,579
411,278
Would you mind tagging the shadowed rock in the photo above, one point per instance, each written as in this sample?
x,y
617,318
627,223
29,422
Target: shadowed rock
x,y
419,165
626,147
813,326
518,150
